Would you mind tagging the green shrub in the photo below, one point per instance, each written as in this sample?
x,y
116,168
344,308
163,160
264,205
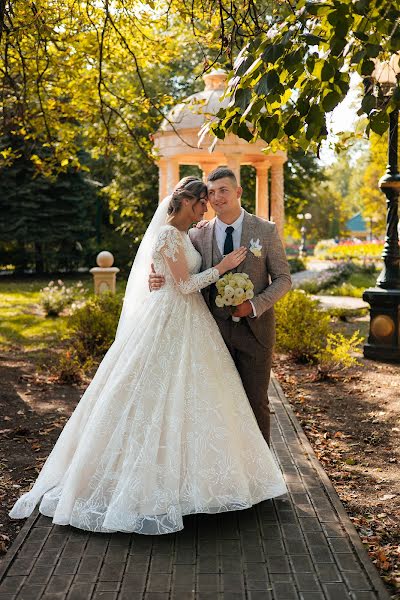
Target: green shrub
x,y
296,265
93,328
364,278
301,326
345,289
310,286
344,314
358,279
338,354
328,278
55,297
346,279
68,369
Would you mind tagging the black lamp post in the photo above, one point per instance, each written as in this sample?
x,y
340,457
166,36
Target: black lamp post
x,y
384,299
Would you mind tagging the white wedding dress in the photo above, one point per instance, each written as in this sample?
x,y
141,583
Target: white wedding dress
x,y
165,428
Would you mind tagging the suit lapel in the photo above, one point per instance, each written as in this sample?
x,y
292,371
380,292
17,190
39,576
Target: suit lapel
x,y
247,234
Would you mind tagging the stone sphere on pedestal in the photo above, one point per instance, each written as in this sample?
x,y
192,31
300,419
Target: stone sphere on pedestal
x,y
105,259
104,274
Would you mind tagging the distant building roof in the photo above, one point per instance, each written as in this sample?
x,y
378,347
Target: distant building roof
x,y
356,224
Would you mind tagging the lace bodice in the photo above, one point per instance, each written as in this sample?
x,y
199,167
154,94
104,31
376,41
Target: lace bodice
x,y
176,258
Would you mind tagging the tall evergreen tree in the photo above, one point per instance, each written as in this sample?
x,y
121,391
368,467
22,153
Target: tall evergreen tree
x,y
46,222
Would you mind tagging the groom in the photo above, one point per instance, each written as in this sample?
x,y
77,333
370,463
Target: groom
x,y
251,340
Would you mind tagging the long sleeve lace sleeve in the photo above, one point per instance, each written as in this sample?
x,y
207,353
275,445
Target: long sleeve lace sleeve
x,y
171,246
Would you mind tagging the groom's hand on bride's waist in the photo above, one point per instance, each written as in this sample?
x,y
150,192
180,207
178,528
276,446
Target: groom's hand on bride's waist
x,y
155,281
244,310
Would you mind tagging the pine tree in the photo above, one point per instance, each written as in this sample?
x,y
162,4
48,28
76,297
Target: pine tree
x,y
46,222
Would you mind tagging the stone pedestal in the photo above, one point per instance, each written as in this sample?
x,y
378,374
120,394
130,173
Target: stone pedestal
x,y
104,275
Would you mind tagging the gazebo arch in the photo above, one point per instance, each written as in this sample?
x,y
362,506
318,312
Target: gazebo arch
x,y
176,143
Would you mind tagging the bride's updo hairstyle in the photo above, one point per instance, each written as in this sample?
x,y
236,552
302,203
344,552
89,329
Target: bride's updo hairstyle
x,y
175,202
190,188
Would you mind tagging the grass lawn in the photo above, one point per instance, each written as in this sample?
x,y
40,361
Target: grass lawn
x,y
363,280
24,325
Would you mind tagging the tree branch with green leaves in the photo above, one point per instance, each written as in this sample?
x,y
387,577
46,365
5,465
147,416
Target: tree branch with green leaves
x,y
287,79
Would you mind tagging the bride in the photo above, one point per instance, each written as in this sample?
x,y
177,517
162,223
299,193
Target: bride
x,y
165,428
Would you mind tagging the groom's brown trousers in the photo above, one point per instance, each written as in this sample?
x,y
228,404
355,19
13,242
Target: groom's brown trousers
x,y
253,361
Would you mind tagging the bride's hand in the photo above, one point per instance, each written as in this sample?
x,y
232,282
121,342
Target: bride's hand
x,y
156,281
231,260
201,224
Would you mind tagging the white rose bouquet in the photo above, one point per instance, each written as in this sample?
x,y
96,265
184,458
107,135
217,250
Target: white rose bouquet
x,y
234,289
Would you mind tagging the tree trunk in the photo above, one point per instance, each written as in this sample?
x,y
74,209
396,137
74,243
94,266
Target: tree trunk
x,y
19,257
2,16
39,260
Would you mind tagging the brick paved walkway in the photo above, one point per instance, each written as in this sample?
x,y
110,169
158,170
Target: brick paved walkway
x,y
298,547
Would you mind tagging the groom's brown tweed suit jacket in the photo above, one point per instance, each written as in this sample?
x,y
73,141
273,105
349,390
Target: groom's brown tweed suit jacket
x,y
251,341
269,272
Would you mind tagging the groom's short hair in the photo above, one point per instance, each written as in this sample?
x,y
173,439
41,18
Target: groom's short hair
x,y
221,172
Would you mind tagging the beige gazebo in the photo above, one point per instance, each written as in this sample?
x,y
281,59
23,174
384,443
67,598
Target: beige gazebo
x,y
177,143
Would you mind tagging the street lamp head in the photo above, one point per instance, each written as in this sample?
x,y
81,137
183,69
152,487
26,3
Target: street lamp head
x,y
300,216
308,216
386,73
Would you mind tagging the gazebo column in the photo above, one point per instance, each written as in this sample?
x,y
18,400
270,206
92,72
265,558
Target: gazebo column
x,y
262,202
234,164
172,174
162,179
277,199
207,167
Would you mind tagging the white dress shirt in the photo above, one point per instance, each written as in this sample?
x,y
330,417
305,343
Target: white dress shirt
x,y
220,232
220,236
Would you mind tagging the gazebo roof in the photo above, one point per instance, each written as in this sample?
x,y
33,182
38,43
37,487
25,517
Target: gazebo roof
x,y
191,112
177,143
178,136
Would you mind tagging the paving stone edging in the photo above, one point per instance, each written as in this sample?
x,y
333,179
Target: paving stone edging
x,y
333,497
5,563
286,561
